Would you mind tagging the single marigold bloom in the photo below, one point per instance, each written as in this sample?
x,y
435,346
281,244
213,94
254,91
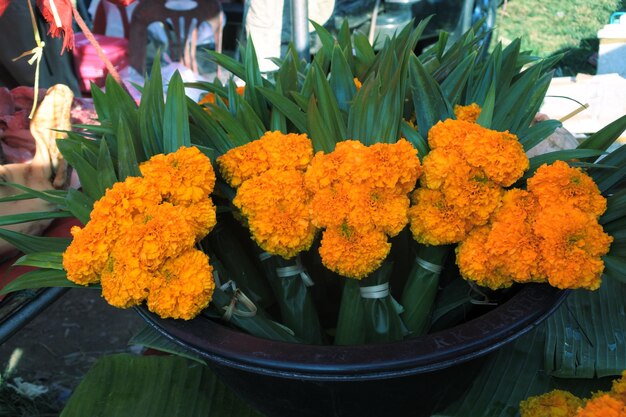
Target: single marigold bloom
x,y
123,203
473,196
433,221
183,177
277,207
164,233
512,246
561,184
351,253
274,150
394,165
182,287
469,113
357,83
377,209
498,154
124,281
556,403
440,164
87,255
201,216
603,406
572,243
476,264
451,133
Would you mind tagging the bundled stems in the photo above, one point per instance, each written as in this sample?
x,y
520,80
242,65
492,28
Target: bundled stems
x,y
290,282
420,289
368,313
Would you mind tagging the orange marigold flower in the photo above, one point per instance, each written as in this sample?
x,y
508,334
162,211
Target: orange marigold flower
x,y
87,255
201,216
556,403
499,154
274,150
619,388
124,281
475,262
572,243
469,113
182,287
377,209
451,133
183,177
603,406
209,98
433,221
276,205
393,165
472,195
561,184
440,164
351,253
357,83
512,246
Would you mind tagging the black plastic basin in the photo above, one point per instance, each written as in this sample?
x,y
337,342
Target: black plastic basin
x,y
407,378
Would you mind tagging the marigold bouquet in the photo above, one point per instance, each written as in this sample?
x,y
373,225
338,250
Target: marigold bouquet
x,y
335,201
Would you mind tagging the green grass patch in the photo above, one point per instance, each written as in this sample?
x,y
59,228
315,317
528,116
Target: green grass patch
x,y
552,26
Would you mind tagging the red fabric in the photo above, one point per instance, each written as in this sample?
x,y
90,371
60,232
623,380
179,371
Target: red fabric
x,y
64,9
3,6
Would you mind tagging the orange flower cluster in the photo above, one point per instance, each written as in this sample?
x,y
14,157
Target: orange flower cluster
x,y
269,174
469,113
209,98
360,198
559,403
548,233
464,176
138,243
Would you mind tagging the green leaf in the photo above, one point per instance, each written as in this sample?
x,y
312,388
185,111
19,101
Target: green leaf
x,y
51,196
288,108
150,338
151,110
327,40
550,157
342,80
128,165
175,121
615,267
364,55
32,216
318,130
511,375
603,138
328,106
454,84
117,387
253,80
587,337
48,260
417,140
29,244
428,99
607,179
615,207
508,110
106,170
538,133
213,134
79,204
87,173
486,113
39,278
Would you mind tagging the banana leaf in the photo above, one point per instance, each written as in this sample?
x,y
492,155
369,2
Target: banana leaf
x,y
117,387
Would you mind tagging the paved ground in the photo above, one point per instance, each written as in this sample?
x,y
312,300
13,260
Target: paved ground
x,y
61,344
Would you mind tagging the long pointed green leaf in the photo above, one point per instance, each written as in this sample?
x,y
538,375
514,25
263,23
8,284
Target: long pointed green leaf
x,y
175,122
151,110
341,80
32,216
454,85
538,133
105,167
128,165
605,136
213,134
86,172
286,107
29,244
566,155
51,196
428,99
318,131
486,114
417,140
79,204
150,338
48,260
39,278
